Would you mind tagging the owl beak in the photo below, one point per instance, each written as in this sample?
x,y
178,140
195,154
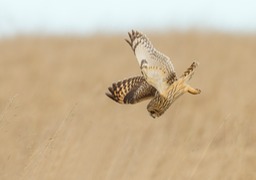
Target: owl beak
x,y
154,114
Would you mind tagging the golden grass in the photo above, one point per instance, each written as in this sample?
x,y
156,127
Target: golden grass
x,y
57,123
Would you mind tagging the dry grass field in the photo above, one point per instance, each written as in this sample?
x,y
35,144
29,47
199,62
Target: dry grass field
x,y
57,123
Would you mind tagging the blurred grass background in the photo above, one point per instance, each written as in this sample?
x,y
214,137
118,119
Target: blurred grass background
x,y
57,123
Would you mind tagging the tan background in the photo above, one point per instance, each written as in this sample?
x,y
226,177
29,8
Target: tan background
x,y
57,123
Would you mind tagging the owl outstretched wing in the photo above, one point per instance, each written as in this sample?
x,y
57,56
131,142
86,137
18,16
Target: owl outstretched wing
x,y
156,67
131,90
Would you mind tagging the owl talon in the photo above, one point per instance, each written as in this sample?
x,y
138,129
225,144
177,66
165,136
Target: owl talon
x,y
193,91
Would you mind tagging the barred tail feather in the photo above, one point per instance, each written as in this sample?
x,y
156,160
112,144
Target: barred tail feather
x,y
190,71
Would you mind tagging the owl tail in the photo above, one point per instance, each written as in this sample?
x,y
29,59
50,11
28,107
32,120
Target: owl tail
x,y
187,75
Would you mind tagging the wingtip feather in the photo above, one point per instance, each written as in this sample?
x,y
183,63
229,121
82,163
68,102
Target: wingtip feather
x,y
128,42
111,90
111,96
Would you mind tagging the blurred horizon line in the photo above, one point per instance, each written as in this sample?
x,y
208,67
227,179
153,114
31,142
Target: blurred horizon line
x,y
120,31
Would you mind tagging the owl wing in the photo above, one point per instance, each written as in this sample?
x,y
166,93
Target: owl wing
x,y
131,91
156,67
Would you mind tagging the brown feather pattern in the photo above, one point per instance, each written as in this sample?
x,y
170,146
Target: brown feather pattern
x,y
131,90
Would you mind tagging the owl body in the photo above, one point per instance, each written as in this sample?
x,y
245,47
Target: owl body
x,y
158,81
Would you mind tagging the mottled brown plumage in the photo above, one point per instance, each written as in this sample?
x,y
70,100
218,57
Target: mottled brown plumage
x,y
159,80
130,91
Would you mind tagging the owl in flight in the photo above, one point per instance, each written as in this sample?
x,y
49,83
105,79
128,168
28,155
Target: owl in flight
x,y
158,81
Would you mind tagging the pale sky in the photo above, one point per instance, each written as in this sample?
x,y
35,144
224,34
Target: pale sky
x,y
87,17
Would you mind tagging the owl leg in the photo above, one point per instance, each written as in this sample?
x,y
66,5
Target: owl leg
x,y
193,90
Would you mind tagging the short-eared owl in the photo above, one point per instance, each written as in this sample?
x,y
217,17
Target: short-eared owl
x,y
158,81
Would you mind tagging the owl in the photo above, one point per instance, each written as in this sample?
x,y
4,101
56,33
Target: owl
x,y
158,81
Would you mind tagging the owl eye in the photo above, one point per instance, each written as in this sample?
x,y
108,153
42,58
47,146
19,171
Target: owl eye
x,y
152,112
